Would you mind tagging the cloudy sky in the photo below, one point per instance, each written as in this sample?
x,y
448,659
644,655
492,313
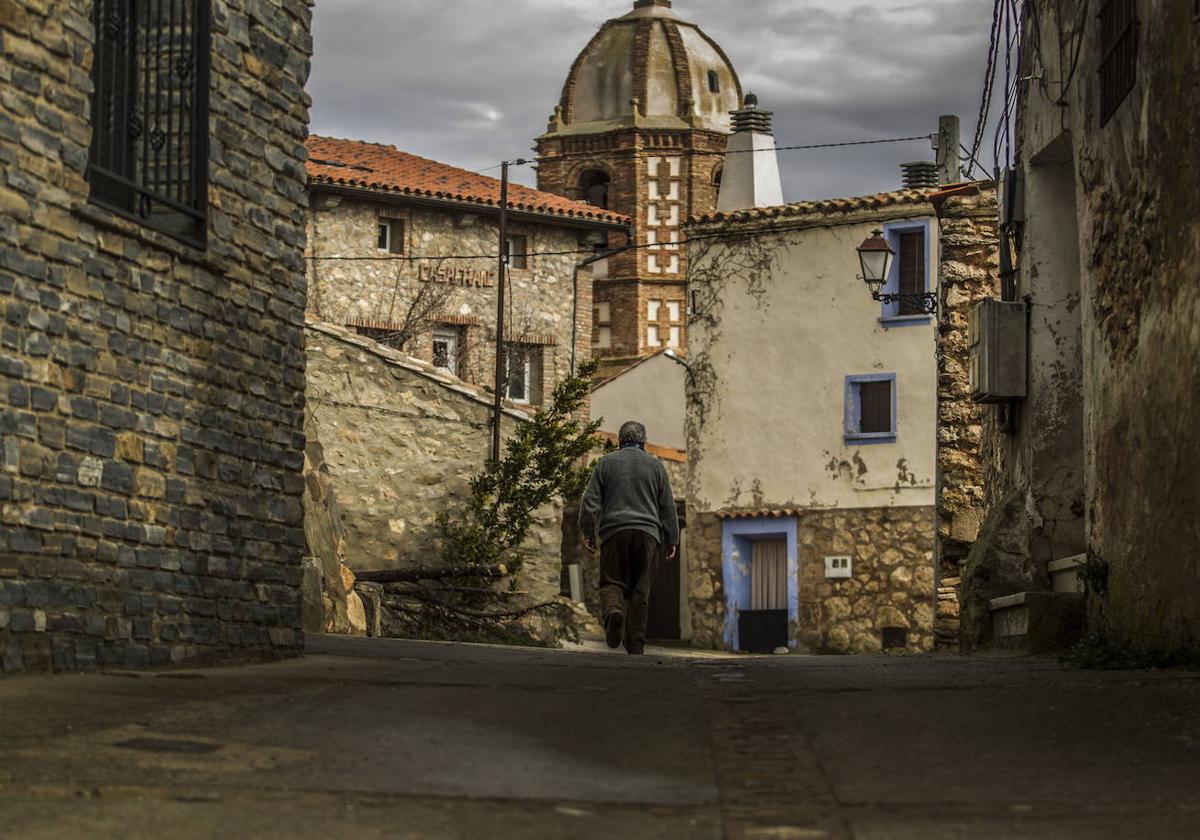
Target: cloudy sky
x,y
471,82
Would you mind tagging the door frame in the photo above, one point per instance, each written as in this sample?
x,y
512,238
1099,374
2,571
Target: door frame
x,y
738,536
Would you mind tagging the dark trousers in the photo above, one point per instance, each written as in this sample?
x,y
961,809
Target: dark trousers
x,y
628,561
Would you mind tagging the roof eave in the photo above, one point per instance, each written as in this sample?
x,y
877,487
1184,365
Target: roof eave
x,y
390,196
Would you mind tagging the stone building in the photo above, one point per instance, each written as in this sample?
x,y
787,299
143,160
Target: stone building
x,y
968,217
152,210
1093,465
405,250
811,429
641,129
393,442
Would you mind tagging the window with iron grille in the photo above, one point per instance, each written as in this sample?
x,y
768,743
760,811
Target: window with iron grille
x,y
149,155
1119,51
911,261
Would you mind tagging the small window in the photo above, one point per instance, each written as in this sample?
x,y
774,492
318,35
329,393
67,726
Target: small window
x,y
1119,51
602,337
391,236
911,261
894,638
652,309
909,274
676,338
674,311
652,339
518,252
717,176
150,75
447,350
871,408
714,82
524,373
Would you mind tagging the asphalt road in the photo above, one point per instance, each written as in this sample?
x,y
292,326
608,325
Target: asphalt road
x,y
388,739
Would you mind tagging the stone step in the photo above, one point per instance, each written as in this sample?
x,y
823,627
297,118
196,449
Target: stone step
x,y
1036,622
1064,573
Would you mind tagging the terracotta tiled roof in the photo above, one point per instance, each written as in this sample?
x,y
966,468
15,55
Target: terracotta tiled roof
x,y
879,201
778,513
666,453
352,163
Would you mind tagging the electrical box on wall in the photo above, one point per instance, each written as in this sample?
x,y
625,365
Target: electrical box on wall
x,y
838,567
999,354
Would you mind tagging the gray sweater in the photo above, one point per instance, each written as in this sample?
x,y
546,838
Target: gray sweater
x,y
630,490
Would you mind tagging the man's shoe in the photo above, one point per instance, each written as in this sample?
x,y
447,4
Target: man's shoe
x,y
614,629
635,650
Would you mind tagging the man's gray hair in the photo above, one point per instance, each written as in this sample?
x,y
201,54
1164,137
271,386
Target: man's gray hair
x,y
633,432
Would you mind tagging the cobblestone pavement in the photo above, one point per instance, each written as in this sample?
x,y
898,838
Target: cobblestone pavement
x,y
374,739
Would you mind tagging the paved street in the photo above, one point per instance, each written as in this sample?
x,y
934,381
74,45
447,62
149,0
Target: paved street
x,y
372,739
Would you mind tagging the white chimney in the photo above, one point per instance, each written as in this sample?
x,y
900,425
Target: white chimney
x,y
751,174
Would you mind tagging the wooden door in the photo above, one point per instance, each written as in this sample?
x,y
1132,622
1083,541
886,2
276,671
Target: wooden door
x,y
664,601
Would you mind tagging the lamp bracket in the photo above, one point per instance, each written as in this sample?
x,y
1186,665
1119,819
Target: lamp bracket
x,y
927,301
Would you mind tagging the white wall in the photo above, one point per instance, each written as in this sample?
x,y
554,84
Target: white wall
x,y
773,350
651,393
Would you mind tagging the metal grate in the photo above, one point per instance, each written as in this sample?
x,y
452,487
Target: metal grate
x,y
1119,50
149,155
912,273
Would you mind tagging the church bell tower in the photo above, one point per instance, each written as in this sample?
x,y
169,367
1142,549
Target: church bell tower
x,y
641,129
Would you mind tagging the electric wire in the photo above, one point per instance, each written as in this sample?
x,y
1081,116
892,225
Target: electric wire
x,y
703,153
989,79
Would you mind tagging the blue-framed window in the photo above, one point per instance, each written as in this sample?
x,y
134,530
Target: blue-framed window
x,y
871,408
911,271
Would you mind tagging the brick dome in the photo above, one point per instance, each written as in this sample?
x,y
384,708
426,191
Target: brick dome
x,y
679,77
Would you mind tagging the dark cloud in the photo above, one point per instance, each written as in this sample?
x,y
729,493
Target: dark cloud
x,y
471,82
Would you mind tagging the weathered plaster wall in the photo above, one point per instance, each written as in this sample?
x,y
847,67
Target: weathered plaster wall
x,y
892,584
401,442
546,308
652,393
780,321
1137,193
152,402
772,345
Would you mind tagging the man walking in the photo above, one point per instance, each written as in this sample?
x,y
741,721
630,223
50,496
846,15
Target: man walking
x,y
629,501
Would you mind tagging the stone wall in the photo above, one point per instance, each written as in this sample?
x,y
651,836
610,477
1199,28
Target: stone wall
x,y
400,442
547,311
152,402
970,264
1105,459
891,551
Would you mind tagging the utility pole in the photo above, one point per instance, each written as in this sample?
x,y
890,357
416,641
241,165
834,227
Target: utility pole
x,y
501,373
949,141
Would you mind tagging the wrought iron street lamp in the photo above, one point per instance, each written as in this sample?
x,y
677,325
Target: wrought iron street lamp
x,y
875,256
